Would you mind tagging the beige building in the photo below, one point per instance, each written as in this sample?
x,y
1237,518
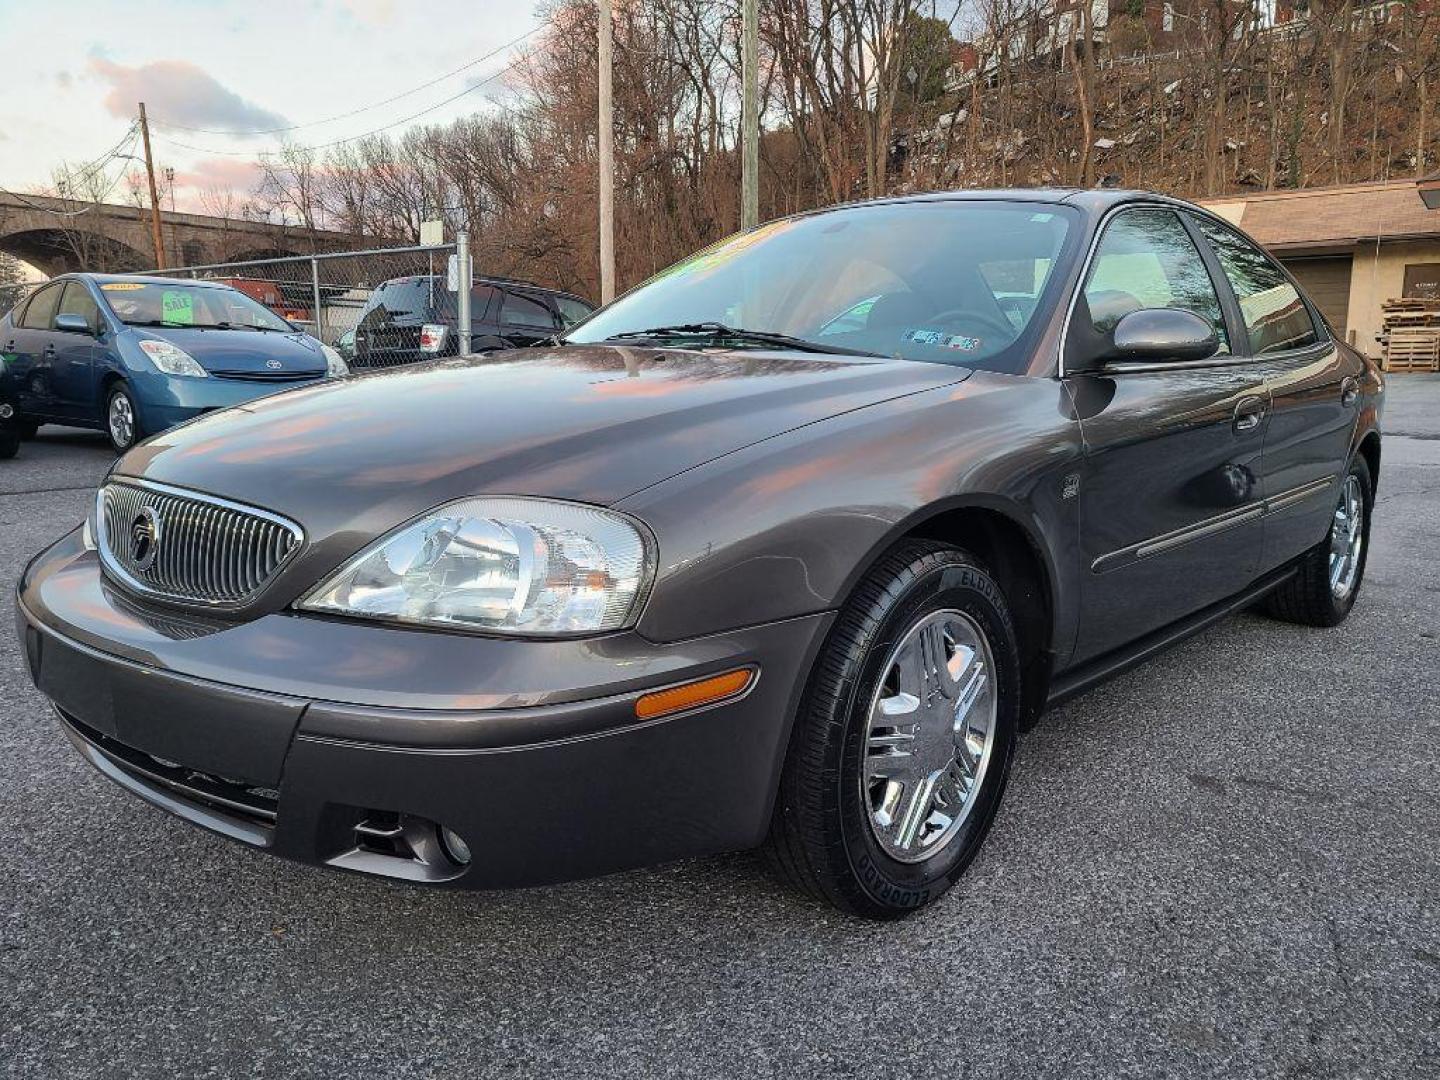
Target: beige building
x,y
1352,247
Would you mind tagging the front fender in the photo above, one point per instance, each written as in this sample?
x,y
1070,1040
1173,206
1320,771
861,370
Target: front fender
x,y
786,527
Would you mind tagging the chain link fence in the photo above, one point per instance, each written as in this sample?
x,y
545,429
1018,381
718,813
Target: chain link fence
x,y
324,294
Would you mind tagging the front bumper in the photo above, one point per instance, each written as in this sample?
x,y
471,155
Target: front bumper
x,y
339,743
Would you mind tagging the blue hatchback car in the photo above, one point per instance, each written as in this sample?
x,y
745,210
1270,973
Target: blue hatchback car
x,y
134,355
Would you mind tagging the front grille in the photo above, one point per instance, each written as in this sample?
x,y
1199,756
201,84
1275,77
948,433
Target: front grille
x,y
250,802
269,376
188,547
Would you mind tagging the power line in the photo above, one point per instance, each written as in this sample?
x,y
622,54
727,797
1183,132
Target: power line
x,y
364,108
91,203
352,138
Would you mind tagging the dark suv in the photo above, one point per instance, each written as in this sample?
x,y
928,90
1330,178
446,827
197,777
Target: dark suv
x,y
414,318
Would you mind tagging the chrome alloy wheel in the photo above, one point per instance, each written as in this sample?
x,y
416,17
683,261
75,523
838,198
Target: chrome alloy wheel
x,y
121,418
930,732
1347,537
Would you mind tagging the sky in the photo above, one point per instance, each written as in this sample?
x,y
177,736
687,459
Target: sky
x,y
75,70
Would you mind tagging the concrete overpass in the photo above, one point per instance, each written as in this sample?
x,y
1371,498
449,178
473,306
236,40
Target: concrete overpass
x,y
48,234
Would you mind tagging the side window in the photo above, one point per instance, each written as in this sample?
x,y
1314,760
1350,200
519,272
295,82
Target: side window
x,y
571,310
447,303
1276,318
1146,259
77,301
520,310
41,308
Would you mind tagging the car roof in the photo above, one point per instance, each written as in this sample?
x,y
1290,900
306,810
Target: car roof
x,y
486,279
1092,201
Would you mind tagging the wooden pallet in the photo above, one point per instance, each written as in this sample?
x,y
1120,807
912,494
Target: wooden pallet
x,y
1412,349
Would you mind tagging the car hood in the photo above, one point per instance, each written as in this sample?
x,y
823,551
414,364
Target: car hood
x,y
586,423
244,352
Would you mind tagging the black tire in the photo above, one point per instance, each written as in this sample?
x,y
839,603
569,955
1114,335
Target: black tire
x,y
9,441
27,428
121,390
821,839
1307,598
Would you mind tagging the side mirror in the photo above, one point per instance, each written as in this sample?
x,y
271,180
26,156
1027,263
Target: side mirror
x,y
1156,335
73,324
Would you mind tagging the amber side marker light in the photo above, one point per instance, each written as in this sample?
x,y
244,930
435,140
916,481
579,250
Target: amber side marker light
x,y
692,695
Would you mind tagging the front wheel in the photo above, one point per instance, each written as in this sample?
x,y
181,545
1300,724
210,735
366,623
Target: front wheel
x,y
9,441
903,743
1324,590
122,419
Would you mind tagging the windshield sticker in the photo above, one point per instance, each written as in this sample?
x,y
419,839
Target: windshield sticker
x,y
178,307
942,340
121,286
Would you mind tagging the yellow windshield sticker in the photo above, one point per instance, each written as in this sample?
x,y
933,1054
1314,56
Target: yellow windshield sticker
x,y
178,307
121,286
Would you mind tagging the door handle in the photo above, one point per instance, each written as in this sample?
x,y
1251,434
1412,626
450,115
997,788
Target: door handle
x,y
1349,391
49,351
1248,414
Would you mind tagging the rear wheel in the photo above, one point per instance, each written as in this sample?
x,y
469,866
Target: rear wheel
x,y
122,419
903,743
1330,575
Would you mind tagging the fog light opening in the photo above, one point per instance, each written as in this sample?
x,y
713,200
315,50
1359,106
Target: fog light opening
x,y
455,848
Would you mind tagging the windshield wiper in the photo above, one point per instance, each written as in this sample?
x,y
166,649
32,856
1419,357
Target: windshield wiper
x,y
206,326
720,332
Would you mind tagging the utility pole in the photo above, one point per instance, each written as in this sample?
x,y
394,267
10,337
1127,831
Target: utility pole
x,y
607,162
750,115
154,195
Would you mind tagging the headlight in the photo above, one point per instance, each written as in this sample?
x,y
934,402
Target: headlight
x,y
508,565
171,359
335,365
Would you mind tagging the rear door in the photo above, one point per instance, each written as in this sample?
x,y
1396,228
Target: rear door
x,y
32,350
1169,498
72,368
1314,389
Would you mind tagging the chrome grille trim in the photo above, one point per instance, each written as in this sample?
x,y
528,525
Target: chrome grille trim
x,y
212,552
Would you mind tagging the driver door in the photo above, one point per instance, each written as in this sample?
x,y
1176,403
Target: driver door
x,y
1170,510
72,365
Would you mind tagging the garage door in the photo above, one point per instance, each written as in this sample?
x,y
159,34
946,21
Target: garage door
x,y
1328,283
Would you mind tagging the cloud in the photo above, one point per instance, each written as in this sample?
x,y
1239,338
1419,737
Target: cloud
x,y
370,12
193,186
181,93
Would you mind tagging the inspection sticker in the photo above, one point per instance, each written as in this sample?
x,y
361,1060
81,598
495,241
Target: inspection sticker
x,y
942,340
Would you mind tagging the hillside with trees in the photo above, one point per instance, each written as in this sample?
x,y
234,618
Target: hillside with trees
x,y
864,98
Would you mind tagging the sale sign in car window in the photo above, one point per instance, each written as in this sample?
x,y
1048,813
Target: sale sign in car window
x,y
178,307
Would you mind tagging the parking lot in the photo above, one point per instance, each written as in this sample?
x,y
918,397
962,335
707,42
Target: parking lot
x,y
1226,862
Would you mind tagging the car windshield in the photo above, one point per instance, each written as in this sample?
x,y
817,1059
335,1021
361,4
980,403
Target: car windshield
x,y
175,303
946,281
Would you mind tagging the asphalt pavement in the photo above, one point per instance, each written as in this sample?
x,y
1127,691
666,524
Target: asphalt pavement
x,y
1224,863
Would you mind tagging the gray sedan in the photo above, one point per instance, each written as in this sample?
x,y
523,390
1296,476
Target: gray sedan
x,y
785,547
